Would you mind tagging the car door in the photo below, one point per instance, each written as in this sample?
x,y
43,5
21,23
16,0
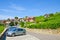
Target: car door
x,y
19,31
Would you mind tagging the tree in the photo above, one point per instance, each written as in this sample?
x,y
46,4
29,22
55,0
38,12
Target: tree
x,y
16,17
26,17
16,23
12,23
8,19
16,20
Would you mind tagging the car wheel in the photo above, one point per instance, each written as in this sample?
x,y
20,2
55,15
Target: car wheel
x,y
13,35
24,33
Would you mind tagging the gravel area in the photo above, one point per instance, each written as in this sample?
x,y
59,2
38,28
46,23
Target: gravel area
x,y
44,31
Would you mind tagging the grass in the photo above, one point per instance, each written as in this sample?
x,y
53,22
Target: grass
x,y
1,29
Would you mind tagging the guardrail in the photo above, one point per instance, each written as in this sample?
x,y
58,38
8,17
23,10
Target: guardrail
x,y
3,35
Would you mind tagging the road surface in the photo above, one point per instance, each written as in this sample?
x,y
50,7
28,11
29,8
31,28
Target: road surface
x,y
35,36
23,37
45,36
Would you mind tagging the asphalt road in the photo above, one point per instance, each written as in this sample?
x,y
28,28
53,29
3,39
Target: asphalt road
x,y
45,36
35,36
23,37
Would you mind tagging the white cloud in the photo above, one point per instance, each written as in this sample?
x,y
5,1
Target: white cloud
x,y
10,11
14,6
5,17
6,10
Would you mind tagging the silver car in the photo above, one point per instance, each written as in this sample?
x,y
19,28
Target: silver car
x,y
12,31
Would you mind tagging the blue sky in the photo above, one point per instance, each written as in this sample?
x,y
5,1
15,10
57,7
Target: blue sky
x,y
22,8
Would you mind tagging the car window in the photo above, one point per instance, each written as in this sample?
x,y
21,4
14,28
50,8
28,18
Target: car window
x,y
20,29
12,30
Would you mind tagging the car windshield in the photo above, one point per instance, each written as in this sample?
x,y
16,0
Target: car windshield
x,y
12,29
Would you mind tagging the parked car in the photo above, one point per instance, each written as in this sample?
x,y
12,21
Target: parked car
x,y
12,31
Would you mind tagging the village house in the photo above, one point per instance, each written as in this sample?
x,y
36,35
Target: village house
x,y
30,19
46,15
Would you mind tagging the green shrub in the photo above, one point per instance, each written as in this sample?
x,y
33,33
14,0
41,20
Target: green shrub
x,y
1,28
46,25
1,24
22,24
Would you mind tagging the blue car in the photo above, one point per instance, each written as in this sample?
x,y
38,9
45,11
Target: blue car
x,y
12,31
